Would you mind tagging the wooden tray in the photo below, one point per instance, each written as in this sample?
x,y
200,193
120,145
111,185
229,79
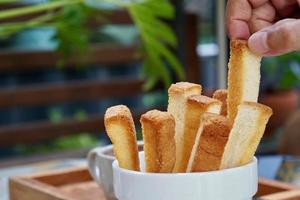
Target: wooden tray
x,y
77,184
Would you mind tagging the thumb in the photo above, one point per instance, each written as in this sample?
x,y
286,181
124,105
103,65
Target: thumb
x,y
280,38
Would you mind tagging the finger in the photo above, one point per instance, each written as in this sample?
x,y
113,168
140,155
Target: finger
x,y
258,3
277,39
262,17
238,14
284,21
285,7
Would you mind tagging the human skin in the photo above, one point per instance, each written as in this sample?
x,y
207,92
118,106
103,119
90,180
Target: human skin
x,y
272,27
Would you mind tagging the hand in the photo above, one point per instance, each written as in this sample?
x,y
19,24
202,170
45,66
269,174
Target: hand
x,y
271,27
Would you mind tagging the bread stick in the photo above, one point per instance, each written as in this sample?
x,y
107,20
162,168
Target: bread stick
x,y
196,106
158,130
178,94
210,142
221,95
121,131
246,133
243,76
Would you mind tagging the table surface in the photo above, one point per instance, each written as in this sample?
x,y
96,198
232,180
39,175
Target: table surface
x,y
33,168
268,168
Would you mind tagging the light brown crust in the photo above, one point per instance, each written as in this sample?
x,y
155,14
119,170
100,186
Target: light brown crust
x,y
178,94
182,87
265,110
196,105
158,130
202,101
265,113
239,77
210,147
120,129
246,133
235,76
221,95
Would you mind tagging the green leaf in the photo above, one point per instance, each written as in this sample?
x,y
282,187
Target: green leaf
x,y
156,35
167,54
149,18
14,12
165,34
8,29
8,1
156,61
150,83
162,9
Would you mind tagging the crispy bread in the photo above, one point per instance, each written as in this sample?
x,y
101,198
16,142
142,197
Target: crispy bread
x,y
246,133
221,95
121,131
159,143
178,94
243,76
210,142
196,106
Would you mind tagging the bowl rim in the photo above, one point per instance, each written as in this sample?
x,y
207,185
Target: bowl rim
x,y
115,166
101,150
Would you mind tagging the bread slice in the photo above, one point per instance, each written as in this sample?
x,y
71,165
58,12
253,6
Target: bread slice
x,y
178,94
246,133
121,131
221,95
210,142
159,143
243,76
196,106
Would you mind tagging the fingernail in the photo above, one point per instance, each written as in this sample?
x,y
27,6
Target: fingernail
x,y
258,43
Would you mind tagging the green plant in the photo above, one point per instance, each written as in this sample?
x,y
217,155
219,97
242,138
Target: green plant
x,y
69,18
282,72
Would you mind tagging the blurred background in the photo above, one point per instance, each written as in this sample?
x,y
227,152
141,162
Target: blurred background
x,y
62,63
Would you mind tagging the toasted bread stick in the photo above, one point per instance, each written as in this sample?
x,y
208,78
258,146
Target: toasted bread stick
x,y
196,106
210,142
246,133
243,76
178,94
121,131
159,143
221,95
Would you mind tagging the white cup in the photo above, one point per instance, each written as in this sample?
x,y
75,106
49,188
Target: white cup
x,y
238,183
100,161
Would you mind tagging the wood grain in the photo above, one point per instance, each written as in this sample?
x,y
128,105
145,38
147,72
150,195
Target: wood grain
x,y
267,186
68,184
70,91
99,54
34,132
76,184
288,195
29,189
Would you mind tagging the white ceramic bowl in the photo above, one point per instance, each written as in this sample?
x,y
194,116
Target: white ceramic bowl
x,y
238,183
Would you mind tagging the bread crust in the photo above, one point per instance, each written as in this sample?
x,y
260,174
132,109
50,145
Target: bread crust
x,y
265,114
246,133
196,105
209,146
221,95
243,76
178,94
158,130
120,129
265,110
183,87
